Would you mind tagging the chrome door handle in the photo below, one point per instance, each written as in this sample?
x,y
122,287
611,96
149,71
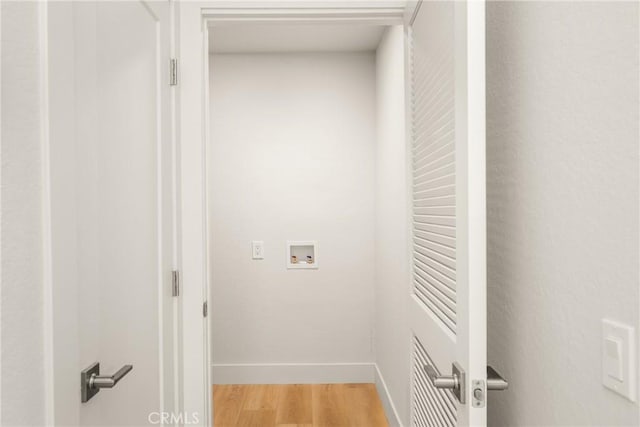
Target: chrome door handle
x,y
495,380
91,381
103,381
454,382
442,381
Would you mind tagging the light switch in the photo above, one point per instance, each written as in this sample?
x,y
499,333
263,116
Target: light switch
x,y
613,358
619,358
257,249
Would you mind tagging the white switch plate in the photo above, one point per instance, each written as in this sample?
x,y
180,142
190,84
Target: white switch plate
x,y
619,358
257,249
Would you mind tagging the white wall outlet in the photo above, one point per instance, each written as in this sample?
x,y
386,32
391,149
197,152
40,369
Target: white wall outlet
x,y
619,358
257,249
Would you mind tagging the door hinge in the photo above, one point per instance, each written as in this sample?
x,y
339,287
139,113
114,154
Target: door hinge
x,y
205,309
173,72
175,283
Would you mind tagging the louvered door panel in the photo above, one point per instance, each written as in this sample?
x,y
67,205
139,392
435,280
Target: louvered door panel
x,y
434,168
448,228
432,407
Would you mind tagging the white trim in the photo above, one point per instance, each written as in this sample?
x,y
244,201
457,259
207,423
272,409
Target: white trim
x,y
0,206
47,260
393,418
159,203
308,4
207,226
371,16
192,211
294,373
175,313
369,12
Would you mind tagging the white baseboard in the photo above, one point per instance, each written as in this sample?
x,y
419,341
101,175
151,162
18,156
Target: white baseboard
x,y
387,403
295,373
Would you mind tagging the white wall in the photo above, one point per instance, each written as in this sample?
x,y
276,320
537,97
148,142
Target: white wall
x,y
562,88
391,224
292,148
22,332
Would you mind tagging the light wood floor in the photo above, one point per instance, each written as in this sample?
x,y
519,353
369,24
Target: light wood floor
x,y
301,405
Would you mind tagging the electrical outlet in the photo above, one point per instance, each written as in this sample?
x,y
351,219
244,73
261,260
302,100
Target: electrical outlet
x,y
257,249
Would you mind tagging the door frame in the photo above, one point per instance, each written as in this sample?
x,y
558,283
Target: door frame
x,y
194,20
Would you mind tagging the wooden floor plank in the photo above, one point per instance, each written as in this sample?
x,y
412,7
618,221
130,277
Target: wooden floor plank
x,y
257,418
329,406
227,403
295,405
262,396
365,405
298,405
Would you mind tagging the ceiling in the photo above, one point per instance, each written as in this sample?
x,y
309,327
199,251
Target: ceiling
x,y
270,38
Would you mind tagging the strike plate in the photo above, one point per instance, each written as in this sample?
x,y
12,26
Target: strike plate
x,y
478,393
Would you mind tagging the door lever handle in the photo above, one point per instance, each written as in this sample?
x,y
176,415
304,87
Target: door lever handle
x,y
495,380
454,382
442,381
98,381
91,381
457,380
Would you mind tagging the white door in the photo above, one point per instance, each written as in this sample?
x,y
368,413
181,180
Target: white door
x,y
448,298
120,216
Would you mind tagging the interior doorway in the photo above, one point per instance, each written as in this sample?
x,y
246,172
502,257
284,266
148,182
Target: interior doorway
x,y
296,116
438,77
